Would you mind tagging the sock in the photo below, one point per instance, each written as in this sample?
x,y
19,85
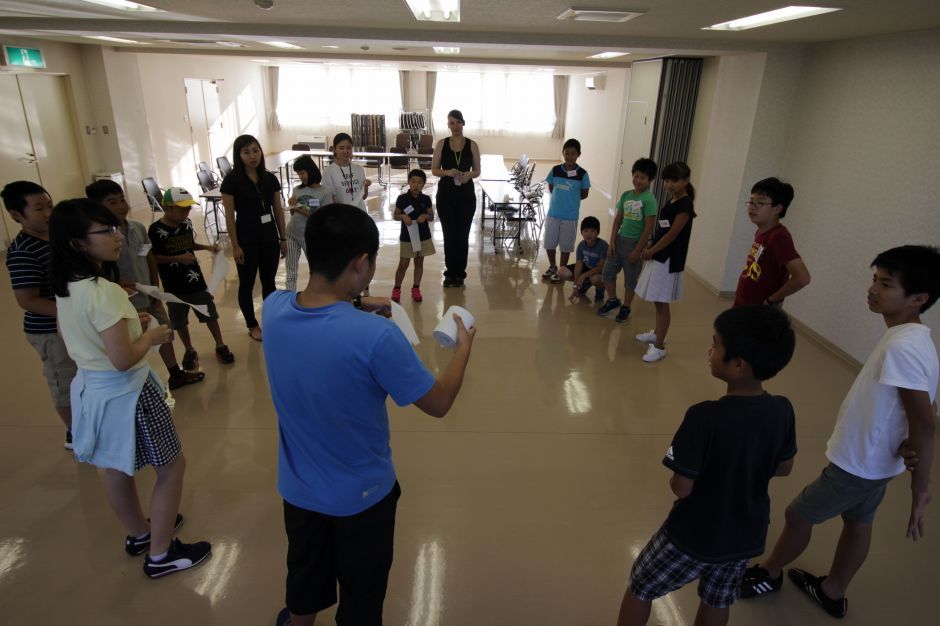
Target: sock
x,y
397,286
175,370
158,557
144,536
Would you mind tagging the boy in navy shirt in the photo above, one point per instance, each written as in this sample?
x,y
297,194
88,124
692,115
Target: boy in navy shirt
x,y
722,457
413,207
589,261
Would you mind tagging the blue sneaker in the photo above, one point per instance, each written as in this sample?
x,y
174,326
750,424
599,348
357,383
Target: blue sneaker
x,y
623,315
598,294
609,306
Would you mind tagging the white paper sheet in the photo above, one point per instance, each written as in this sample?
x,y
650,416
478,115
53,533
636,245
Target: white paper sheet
x,y
401,319
154,292
144,249
153,323
220,268
415,235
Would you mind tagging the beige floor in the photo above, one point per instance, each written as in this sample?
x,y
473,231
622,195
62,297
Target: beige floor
x,y
525,505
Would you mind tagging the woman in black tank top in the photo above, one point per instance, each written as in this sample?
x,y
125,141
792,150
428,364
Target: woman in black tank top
x,y
456,162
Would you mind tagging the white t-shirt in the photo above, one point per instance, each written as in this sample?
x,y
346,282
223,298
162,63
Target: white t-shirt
x,y
94,306
346,183
872,422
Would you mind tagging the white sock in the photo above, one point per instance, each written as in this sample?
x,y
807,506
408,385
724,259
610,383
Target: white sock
x,y
159,557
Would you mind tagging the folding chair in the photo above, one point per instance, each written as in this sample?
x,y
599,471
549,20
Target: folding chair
x,y
154,196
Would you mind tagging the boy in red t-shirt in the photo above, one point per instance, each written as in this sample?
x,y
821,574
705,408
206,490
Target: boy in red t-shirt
x,y
773,269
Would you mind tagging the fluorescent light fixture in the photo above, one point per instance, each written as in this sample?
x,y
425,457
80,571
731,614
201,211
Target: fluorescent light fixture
x,y
771,17
124,5
334,47
229,44
282,44
435,10
444,50
261,60
608,55
598,15
106,38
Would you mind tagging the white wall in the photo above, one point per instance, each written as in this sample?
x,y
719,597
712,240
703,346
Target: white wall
x,y
863,159
595,118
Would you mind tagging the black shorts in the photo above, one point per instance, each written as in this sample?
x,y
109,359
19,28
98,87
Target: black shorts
x,y
179,313
354,552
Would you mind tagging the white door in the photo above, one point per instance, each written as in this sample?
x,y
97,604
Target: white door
x,y
39,141
639,119
17,159
220,137
198,127
49,118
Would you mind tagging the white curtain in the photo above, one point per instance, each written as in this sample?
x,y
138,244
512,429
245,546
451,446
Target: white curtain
x,y
304,105
497,104
271,77
560,85
431,92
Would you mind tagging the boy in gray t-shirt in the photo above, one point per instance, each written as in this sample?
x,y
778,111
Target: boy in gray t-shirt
x,y
137,265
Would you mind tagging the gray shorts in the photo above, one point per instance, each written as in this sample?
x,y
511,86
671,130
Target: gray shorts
x,y
560,233
57,366
631,271
837,492
179,313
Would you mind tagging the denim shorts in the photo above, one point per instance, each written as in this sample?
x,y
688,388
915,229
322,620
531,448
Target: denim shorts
x,y
631,271
837,492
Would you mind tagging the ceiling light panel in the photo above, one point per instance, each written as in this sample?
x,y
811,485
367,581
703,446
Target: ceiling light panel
x,y
444,50
124,5
282,44
771,17
112,39
608,55
435,10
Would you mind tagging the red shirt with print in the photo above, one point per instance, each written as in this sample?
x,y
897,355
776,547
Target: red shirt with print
x,y
765,269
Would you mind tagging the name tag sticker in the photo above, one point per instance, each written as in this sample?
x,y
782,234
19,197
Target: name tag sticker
x,y
572,173
664,223
144,249
265,219
409,210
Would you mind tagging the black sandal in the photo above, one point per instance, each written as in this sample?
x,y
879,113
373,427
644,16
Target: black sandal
x,y
185,378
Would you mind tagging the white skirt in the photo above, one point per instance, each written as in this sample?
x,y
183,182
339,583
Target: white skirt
x,y
656,284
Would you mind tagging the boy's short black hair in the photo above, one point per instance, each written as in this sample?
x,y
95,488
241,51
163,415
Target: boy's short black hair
x,y
14,194
419,173
760,335
591,222
572,143
778,191
304,163
335,235
917,268
647,166
101,189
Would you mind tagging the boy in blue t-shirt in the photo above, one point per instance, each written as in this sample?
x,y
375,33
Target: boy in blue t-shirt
x,y
569,184
722,458
335,469
589,262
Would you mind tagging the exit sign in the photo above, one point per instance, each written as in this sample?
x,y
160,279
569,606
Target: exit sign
x,y
23,57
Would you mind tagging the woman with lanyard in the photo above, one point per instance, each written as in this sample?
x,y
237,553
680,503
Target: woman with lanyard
x,y
252,200
457,162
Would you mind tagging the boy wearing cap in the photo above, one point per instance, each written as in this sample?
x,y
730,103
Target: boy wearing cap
x,y
174,247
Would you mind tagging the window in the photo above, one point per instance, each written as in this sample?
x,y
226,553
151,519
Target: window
x,y
497,104
319,97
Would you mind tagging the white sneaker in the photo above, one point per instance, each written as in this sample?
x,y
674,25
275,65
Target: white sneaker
x,y
654,354
649,337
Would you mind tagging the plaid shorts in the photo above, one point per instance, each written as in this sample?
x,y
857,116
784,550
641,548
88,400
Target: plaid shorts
x,y
157,441
662,568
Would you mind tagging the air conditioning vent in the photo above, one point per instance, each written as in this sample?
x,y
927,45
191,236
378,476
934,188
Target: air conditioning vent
x,y
598,15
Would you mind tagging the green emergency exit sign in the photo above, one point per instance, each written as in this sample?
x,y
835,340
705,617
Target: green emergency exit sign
x,y
23,57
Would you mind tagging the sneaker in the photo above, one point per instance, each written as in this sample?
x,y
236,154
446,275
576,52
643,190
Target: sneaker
x,y
185,378
598,294
283,618
654,354
812,586
551,271
224,354
450,282
649,337
757,581
416,294
623,315
556,279
68,439
396,294
190,360
136,546
608,306
583,289
458,282
179,557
